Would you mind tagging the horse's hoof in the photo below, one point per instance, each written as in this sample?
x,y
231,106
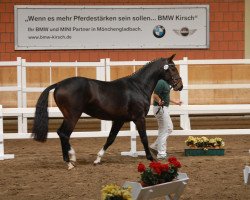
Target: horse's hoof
x,y
98,160
70,166
150,158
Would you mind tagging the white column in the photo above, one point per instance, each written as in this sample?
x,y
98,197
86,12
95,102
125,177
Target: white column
x,y
184,118
105,76
24,97
2,155
19,93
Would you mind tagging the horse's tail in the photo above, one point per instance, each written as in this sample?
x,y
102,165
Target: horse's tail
x,y
41,120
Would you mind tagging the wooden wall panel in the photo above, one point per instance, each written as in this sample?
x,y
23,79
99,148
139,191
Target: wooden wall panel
x,y
200,74
8,99
174,95
241,96
59,74
210,74
197,97
219,74
241,74
223,96
88,72
32,98
121,71
37,76
8,76
40,77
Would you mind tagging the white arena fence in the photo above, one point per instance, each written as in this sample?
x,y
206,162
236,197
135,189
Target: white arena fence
x,y
103,69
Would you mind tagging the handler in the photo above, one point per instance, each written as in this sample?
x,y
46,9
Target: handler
x,y
161,97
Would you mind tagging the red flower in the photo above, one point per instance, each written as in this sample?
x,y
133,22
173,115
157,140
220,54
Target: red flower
x,y
165,167
156,166
172,159
177,164
141,167
158,172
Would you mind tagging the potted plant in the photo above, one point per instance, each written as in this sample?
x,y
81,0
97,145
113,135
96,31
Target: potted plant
x,y
158,179
157,172
199,146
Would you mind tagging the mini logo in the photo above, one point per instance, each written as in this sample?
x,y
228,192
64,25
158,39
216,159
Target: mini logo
x,y
159,31
185,31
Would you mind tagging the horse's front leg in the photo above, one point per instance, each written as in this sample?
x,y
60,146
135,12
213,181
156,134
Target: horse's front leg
x,y
111,138
141,127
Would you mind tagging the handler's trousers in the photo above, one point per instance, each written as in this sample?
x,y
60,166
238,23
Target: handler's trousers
x,y
165,128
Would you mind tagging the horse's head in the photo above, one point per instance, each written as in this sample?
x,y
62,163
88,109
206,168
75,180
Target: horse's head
x,y
171,74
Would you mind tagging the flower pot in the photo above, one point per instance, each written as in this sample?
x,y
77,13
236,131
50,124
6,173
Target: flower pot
x,y
143,184
204,152
175,187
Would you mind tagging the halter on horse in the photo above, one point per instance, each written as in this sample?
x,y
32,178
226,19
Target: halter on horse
x,y
122,100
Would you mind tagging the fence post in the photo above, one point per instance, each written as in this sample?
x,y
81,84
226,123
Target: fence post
x,y
50,81
100,71
2,155
107,69
184,118
19,93
133,145
24,96
106,125
133,152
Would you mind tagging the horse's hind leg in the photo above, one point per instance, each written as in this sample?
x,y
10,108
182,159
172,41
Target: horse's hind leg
x,y
64,133
111,138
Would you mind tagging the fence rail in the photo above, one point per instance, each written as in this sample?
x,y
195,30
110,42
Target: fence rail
x,y
103,72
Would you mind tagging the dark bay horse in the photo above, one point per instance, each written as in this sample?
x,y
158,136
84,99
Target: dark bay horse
x,y
122,100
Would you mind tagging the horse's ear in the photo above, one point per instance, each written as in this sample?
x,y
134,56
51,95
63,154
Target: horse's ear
x,y
171,58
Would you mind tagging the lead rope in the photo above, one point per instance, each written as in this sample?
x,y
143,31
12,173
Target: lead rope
x,y
161,107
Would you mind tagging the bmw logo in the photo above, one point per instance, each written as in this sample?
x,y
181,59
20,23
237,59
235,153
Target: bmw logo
x,y
159,31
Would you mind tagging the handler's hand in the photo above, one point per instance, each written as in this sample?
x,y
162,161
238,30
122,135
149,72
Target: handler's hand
x,y
178,103
160,103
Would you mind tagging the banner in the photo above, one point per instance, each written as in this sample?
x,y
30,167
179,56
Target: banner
x,y
111,27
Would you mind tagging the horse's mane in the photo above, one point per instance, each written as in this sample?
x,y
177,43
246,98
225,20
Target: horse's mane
x,y
146,65
139,70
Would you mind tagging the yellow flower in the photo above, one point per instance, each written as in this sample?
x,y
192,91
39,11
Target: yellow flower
x,y
203,139
204,142
212,142
191,141
113,190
